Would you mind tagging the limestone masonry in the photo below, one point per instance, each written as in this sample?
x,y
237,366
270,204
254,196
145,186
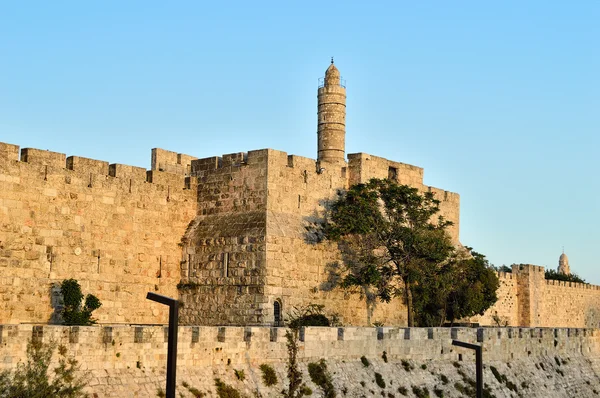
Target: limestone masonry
x,y
230,236
127,361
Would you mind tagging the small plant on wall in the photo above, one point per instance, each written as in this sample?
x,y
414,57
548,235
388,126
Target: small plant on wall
x,y
76,311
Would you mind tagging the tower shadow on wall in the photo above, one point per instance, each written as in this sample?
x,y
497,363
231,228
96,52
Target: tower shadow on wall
x,y
316,223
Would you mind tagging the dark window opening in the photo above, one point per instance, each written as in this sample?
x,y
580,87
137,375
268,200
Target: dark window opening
x,y
277,313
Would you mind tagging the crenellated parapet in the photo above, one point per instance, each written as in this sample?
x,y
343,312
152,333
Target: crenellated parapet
x,y
75,169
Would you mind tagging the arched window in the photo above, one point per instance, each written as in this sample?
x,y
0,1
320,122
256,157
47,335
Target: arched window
x,y
278,321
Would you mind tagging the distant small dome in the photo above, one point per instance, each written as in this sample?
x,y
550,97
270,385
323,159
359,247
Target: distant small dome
x,y
563,259
563,265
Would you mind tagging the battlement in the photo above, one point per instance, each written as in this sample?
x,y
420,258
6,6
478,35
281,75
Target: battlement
x,y
504,275
575,285
528,269
444,195
227,161
237,345
92,171
171,162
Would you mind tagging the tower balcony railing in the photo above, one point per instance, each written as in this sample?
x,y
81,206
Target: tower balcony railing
x,y
322,82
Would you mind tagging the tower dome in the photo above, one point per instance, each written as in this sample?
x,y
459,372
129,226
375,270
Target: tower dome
x,y
563,265
332,75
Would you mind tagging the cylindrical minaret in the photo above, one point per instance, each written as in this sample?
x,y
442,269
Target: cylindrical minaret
x,y
331,129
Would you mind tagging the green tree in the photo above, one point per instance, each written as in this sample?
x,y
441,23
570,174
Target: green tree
x,y
394,242
359,270
464,286
402,224
552,274
73,312
33,379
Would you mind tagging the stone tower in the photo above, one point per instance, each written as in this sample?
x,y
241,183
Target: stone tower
x,y
563,265
331,129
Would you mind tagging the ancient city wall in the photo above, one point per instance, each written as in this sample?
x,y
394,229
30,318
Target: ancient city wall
x,y
299,263
526,298
506,310
115,228
569,303
224,256
130,361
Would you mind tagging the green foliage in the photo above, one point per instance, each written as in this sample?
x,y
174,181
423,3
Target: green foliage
x,y
379,380
268,375
420,392
225,390
240,374
309,315
461,287
160,393
423,366
365,361
402,390
407,365
438,393
395,248
73,312
32,379
554,275
502,268
444,379
474,288
296,388
320,376
196,393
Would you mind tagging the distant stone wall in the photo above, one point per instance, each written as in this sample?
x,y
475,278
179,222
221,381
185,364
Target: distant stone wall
x,y
115,228
526,298
128,361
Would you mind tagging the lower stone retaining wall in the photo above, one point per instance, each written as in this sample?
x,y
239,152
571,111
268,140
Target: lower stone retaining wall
x,y
129,361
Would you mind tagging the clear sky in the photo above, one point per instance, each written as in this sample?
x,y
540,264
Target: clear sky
x,y
498,101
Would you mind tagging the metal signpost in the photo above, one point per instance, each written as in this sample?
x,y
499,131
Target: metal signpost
x,y
172,342
478,363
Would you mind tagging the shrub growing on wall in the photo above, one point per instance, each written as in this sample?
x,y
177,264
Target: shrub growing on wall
x,y
74,313
36,379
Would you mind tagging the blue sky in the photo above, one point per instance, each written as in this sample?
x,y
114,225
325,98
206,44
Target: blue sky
x,y
498,102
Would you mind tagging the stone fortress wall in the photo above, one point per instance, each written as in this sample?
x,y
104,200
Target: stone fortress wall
x,y
526,298
252,244
114,228
130,361
123,231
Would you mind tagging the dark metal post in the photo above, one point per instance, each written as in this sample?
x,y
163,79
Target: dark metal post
x,y
478,363
172,341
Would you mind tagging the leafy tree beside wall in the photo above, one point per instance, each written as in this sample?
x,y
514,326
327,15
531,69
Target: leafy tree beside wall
x,y
76,311
394,243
